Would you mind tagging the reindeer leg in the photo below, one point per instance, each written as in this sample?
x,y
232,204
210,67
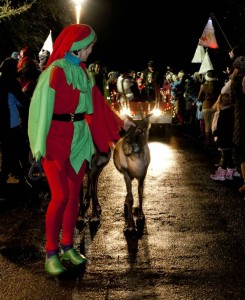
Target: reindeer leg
x,y
96,208
87,196
82,211
140,217
101,162
140,194
129,228
84,201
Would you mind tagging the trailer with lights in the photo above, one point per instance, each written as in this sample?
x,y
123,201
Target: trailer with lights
x,y
161,108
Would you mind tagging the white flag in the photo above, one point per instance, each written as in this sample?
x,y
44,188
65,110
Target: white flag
x,y
199,54
206,64
208,38
48,44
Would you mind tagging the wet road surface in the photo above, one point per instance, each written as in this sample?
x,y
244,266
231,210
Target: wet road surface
x,y
192,247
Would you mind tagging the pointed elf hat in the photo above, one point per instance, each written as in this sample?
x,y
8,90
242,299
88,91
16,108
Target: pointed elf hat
x,y
48,44
73,37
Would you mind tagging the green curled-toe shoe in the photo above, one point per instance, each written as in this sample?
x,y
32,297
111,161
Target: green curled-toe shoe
x,y
74,257
53,265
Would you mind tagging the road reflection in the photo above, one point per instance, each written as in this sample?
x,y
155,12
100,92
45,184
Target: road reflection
x,y
162,158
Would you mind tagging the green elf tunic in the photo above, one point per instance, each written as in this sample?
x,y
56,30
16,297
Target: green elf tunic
x,y
65,87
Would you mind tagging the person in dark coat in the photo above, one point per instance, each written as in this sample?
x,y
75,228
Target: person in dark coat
x,y
99,76
13,135
238,97
155,74
28,70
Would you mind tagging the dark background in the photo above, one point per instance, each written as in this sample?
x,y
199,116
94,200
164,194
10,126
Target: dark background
x,y
132,32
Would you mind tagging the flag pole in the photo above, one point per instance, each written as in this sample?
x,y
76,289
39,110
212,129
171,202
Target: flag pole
x,y
213,16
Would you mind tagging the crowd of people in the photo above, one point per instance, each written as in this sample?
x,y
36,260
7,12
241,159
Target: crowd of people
x,y
19,74
57,108
200,100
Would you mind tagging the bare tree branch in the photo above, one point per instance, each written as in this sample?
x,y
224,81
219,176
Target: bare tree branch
x,y
8,11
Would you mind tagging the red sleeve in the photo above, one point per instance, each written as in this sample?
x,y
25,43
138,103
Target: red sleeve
x,y
104,123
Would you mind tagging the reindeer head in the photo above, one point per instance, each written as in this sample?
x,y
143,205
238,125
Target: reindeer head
x,y
137,137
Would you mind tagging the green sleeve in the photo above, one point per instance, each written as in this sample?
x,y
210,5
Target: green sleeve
x,y
40,115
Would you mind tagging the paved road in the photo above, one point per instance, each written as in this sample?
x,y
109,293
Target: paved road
x,y
193,244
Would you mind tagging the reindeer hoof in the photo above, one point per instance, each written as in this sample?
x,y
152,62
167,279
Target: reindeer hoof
x,y
94,220
140,224
93,226
98,210
140,220
80,224
125,211
135,211
130,232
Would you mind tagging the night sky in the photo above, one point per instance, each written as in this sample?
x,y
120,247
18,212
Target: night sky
x,y
132,32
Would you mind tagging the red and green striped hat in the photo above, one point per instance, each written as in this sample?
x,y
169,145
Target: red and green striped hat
x,y
73,37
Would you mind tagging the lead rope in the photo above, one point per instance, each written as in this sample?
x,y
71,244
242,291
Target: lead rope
x,y
36,170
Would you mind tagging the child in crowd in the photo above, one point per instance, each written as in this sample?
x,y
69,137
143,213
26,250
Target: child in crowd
x,y
199,116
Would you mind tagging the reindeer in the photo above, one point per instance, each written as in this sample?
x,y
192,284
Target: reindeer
x,y
131,157
99,161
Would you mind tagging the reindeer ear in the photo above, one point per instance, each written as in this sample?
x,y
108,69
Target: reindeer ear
x,y
130,118
147,117
147,120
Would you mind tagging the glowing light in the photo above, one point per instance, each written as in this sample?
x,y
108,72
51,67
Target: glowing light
x,y
125,111
162,158
78,7
157,112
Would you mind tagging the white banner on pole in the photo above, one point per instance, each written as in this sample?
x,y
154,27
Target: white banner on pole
x,y
208,38
199,54
206,64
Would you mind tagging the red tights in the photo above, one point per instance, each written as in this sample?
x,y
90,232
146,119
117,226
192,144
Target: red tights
x,y
63,208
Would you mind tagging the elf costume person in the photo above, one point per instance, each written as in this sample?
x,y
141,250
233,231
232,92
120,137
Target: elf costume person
x,y
67,116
